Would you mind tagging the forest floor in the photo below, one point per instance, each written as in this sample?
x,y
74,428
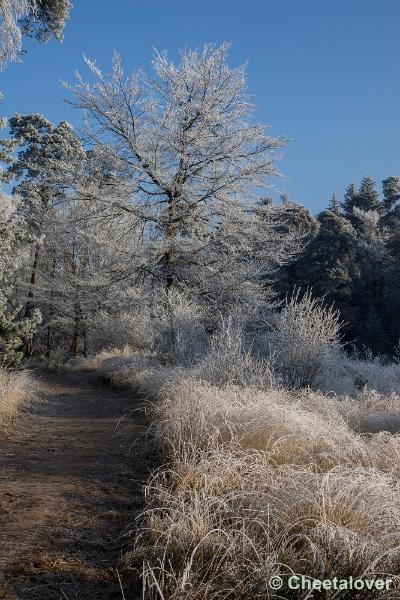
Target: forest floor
x,y
70,485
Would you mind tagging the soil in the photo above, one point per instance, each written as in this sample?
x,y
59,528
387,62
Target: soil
x,y
71,484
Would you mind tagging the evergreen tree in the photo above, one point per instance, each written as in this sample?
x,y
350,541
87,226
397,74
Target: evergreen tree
x,y
42,159
330,266
391,193
366,199
349,201
41,19
13,330
331,263
334,205
46,19
370,298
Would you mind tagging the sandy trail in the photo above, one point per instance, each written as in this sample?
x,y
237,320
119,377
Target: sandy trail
x,y
70,483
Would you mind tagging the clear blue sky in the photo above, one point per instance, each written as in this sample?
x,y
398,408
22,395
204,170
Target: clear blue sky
x,y
325,73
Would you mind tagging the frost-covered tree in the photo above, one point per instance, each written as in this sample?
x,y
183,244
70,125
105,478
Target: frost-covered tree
x,y
46,18
189,149
370,298
349,201
391,192
353,263
91,268
334,205
13,329
366,198
42,160
38,18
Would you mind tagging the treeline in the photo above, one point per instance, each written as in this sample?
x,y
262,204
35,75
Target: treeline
x,y
353,261
148,230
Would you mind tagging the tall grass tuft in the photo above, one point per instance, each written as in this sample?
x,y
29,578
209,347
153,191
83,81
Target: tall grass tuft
x,y
17,393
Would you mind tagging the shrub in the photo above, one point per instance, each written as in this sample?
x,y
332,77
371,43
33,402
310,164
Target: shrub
x,y
229,361
134,329
181,337
95,362
306,335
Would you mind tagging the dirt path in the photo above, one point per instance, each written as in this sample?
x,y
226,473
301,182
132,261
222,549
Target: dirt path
x,y
69,484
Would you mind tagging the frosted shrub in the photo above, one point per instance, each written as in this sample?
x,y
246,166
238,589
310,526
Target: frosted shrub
x,y
95,362
181,337
228,361
306,335
134,329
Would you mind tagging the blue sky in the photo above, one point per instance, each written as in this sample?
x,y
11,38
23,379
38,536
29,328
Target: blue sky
x,y
325,73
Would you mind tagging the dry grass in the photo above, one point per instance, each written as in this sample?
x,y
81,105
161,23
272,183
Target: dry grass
x,y
18,391
94,362
44,562
263,483
347,375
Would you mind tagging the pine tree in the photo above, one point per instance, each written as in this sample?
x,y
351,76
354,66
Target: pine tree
x,y
331,261
349,201
334,205
391,193
365,199
368,197
45,164
13,330
42,159
41,19
46,19
371,298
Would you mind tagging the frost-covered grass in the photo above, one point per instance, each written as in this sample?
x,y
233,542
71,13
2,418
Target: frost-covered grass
x,y
95,362
347,375
229,362
261,483
17,392
263,480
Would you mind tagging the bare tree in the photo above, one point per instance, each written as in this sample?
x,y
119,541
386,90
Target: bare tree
x,y
187,144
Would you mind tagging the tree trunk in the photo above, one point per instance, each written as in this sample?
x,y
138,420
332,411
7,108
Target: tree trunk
x,y
77,345
29,344
49,333
49,344
29,303
169,258
85,342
